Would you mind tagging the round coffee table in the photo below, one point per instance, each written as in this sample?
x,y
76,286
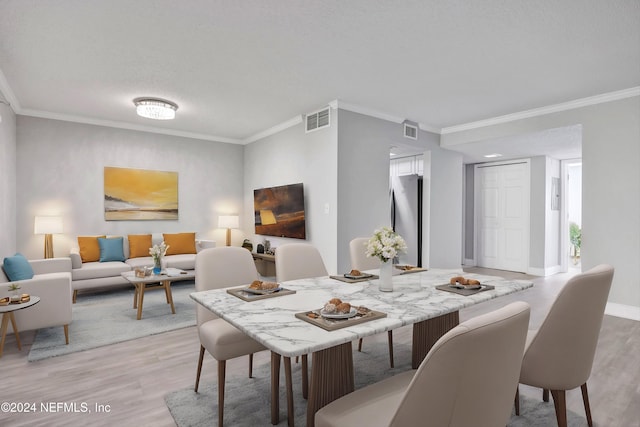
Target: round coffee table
x,y
7,315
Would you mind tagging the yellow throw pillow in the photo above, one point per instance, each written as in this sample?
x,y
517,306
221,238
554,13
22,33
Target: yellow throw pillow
x,y
89,248
139,245
180,243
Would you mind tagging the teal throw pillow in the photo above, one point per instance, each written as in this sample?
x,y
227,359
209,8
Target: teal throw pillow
x,y
111,249
17,267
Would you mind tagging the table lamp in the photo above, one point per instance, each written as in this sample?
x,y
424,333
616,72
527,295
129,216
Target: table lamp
x,y
228,222
48,225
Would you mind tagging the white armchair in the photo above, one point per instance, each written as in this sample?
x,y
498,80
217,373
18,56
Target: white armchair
x,y
52,283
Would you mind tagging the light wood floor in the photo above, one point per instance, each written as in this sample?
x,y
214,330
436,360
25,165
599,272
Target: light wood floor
x,y
133,377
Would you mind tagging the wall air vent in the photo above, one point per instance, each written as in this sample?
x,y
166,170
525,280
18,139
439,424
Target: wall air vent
x,y
410,131
318,120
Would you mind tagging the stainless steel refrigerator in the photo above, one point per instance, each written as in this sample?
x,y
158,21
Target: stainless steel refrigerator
x,y
406,215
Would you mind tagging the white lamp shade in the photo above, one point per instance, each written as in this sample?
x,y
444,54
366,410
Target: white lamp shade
x,y
48,225
228,221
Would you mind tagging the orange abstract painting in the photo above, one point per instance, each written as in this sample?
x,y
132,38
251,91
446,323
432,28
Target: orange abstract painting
x,y
138,194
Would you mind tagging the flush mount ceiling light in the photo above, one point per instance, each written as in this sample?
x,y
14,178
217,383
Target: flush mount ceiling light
x,y
491,156
155,108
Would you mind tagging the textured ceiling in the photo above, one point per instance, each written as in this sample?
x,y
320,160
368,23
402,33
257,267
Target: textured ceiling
x,y
239,67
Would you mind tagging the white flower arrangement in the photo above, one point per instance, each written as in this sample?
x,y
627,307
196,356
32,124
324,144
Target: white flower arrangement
x,y
158,251
385,244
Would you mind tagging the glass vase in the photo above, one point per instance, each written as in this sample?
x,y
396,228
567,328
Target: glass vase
x,y
157,266
386,273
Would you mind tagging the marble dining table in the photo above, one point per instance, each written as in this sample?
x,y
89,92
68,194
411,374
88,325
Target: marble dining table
x,y
413,301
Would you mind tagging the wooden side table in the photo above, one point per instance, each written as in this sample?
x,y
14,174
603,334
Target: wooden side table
x,y
7,315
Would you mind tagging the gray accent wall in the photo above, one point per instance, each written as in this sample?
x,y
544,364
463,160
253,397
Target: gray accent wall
x,y
537,217
60,171
445,208
291,156
7,182
611,183
345,171
469,200
363,176
363,188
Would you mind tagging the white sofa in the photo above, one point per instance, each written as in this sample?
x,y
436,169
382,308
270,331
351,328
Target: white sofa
x,y
52,283
93,275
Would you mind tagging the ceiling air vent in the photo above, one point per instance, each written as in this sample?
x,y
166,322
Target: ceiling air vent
x,y
410,131
318,120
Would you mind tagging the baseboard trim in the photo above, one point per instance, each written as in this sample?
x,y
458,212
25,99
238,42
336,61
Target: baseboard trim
x,y
544,271
469,262
622,310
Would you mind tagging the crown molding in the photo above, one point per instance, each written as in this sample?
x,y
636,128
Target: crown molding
x,y
7,93
128,126
284,125
368,111
380,115
431,129
273,130
570,105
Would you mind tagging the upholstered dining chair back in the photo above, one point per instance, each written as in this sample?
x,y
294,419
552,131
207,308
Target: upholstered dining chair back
x,y
359,259
560,355
467,379
219,268
298,261
469,376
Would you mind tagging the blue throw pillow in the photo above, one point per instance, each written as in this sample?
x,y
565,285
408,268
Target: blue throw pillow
x,y
111,249
17,268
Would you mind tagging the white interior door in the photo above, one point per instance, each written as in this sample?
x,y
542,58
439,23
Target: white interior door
x,y
502,216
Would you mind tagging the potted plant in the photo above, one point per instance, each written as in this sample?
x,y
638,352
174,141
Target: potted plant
x,y
575,237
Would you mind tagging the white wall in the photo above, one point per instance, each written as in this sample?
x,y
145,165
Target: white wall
x,y
611,183
7,182
60,171
293,156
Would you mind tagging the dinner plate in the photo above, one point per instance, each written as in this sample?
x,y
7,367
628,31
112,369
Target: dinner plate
x,y
362,276
262,291
471,287
348,315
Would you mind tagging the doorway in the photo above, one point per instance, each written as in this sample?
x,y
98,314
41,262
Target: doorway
x,y
572,215
502,220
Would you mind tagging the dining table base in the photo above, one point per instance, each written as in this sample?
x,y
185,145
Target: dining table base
x,y
427,332
331,378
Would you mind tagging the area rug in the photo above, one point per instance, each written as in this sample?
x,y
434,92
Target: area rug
x,y
108,317
248,400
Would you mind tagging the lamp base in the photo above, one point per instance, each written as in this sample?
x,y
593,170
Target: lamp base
x,y
228,237
48,246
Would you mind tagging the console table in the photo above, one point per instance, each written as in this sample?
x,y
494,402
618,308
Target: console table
x,y
265,264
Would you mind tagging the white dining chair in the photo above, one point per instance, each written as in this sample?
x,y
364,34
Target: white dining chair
x,y
360,261
466,380
299,261
219,268
358,255
559,355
